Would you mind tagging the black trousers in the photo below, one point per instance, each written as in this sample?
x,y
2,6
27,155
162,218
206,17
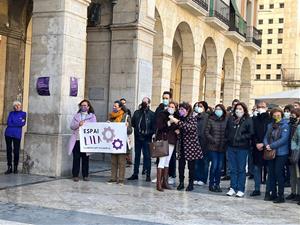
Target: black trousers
x,y
181,168
172,165
77,155
12,145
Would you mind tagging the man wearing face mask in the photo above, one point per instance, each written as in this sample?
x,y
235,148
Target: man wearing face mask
x,y
201,165
260,124
143,122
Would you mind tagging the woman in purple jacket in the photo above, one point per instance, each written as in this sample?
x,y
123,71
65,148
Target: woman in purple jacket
x,y
85,114
13,134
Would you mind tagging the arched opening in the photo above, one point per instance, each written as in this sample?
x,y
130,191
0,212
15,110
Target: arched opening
x,y
246,84
183,69
209,72
228,78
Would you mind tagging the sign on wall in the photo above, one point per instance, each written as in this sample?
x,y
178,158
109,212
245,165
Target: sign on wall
x,y
103,138
42,86
73,86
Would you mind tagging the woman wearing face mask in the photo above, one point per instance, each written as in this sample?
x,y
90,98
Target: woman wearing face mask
x,y
84,115
277,138
294,162
215,135
201,165
118,161
166,131
189,147
239,131
287,112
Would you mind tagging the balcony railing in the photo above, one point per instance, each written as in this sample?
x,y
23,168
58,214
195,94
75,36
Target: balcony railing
x,y
202,3
220,10
238,24
253,35
291,75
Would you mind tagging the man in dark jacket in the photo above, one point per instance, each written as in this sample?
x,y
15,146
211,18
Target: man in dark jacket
x,y
143,122
260,124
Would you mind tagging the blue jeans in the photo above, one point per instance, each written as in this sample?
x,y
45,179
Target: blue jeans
x,y
142,145
257,170
237,159
276,172
217,159
201,168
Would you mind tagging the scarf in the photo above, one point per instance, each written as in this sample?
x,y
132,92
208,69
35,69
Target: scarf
x,y
116,116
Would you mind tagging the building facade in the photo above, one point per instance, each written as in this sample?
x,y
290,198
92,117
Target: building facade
x,y
197,49
278,62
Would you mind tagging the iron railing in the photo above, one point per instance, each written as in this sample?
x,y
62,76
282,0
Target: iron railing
x,y
220,10
238,24
254,35
202,3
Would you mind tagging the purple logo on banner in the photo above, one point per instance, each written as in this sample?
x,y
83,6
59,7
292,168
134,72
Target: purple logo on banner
x,y
42,86
73,86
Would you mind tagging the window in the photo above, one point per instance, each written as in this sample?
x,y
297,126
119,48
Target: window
x,y
260,21
281,5
268,76
258,66
270,21
279,51
259,53
261,31
257,76
278,76
271,6
269,51
268,66
279,40
280,20
278,66
261,6
270,31
280,30
269,41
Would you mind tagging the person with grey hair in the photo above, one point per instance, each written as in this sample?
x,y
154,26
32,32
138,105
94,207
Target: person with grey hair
x,y
13,135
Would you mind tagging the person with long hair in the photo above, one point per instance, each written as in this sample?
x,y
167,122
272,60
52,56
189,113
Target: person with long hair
x,y
189,147
216,142
277,138
239,131
85,114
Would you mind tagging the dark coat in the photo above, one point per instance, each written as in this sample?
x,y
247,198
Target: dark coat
x,y
239,135
164,130
189,141
150,123
260,125
215,134
202,119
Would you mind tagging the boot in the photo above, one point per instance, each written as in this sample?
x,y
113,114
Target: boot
x,y
190,187
158,182
279,199
15,169
180,186
9,170
165,183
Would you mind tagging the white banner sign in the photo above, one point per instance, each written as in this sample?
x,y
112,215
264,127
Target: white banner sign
x,y
103,138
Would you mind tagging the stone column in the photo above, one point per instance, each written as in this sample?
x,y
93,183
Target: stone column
x,y
59,52
161,77
2,86
213,88
190,83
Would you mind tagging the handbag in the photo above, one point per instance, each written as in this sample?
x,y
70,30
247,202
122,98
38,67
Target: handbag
x,y
269,154
159,148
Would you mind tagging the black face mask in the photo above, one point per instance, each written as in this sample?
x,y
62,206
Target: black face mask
x,y
144,105
293,120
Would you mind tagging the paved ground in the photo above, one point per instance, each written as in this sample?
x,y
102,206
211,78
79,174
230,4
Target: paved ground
x,y
61,201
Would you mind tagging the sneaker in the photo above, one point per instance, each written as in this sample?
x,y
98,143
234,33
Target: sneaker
x,y
133,177
291,196
195,182
148,178
111,181
86,179
279,199
171,181
154,180
255,193
297,198
200,183
240,194
75,179
218,189
121,182
231,192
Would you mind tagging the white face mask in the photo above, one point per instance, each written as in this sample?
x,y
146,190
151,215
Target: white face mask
x,y
198,109
171,111
261,110
255,113
239,113
287,115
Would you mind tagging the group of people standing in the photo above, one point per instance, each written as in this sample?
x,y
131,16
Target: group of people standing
x,y
207,139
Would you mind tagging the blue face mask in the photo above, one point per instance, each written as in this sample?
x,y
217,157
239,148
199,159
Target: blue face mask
x,y
115,110
219,113
165,102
